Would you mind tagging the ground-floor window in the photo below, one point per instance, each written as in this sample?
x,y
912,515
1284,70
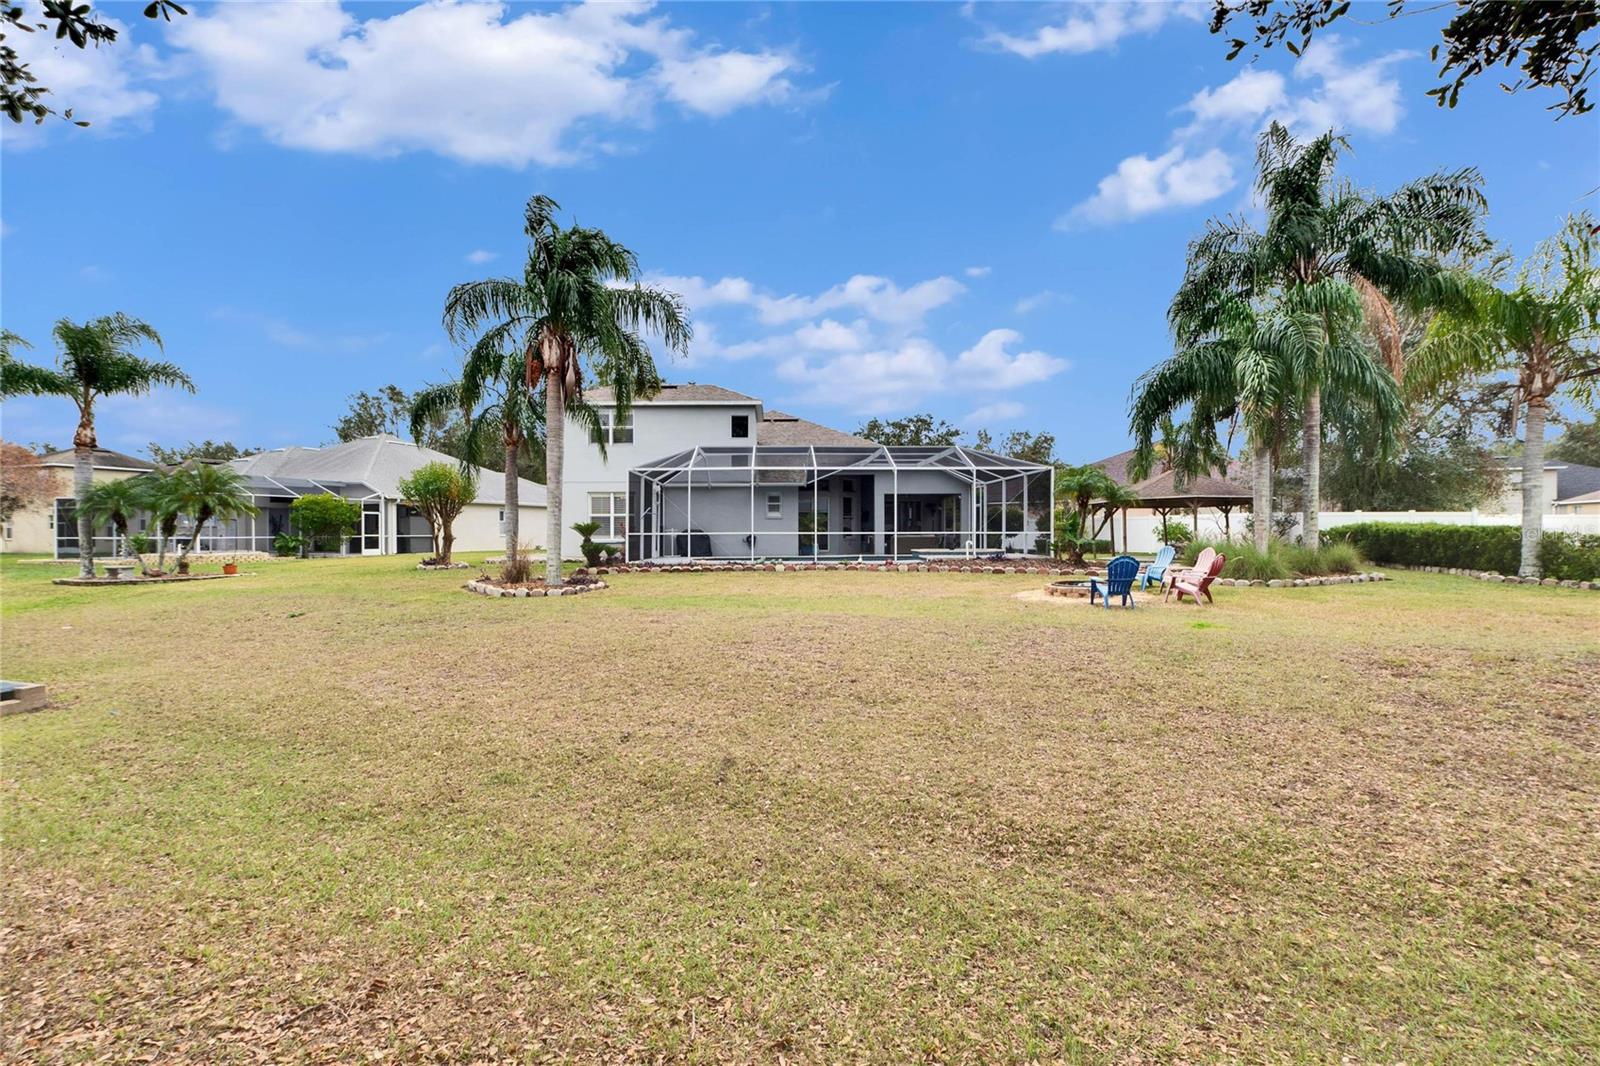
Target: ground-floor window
x,y
609,510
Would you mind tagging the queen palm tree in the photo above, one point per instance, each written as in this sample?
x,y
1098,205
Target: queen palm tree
x,y
114,502
1329,264
204,491
1544,329
1226,370
96,359
494,397
580,301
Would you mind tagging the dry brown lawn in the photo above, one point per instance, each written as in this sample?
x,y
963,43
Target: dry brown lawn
x,y
342,810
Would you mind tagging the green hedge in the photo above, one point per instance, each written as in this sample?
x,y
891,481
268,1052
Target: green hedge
x,y
1497,548
1574,556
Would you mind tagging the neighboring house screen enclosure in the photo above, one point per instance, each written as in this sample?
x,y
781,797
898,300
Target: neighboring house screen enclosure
x,y
838,502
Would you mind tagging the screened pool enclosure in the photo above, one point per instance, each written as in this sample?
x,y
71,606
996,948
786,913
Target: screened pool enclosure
x,y
836,502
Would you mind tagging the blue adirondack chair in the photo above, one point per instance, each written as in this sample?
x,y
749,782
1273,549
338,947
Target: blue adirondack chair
x,y
1157,570
1120,575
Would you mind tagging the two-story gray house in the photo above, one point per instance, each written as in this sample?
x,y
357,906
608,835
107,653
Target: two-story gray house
x,y
699,472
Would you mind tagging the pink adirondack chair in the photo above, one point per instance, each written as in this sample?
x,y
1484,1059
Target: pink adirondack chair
x,y
1202,563
1197,584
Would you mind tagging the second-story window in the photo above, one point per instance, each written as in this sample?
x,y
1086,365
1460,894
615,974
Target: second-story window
x,y
613,430
741,427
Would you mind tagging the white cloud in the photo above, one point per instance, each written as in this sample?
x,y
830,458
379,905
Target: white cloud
x,y
717,84
890,378
977,271
879,299
476,82
481,256
1031,303
1362,96
97,84
1141,185
860,344
1093,27
1248,96
1001,413
1340,95
1200,166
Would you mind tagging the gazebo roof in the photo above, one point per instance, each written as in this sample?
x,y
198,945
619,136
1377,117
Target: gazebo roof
x,y
1164,490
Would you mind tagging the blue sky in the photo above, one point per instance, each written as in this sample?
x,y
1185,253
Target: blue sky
x,y
978,211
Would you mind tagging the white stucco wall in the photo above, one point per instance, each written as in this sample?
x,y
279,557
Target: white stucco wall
x,y
659,430
478,528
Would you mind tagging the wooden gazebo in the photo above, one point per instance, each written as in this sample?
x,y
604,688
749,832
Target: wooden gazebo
x,y
1166,494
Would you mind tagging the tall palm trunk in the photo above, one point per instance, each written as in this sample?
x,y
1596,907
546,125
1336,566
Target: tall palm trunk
x,y
1311,501
513,504
1532,487
82,482
555,433
1261,503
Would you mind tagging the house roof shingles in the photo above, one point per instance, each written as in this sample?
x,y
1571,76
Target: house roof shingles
x,y
778,427
377,462
689,392
103,459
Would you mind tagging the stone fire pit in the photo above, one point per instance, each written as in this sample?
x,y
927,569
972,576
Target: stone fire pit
x,y
1077,588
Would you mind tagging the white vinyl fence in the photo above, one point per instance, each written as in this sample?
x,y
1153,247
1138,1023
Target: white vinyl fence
x,y
1142,528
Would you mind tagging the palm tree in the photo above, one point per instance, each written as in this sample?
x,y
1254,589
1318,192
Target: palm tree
x,y
1225,369
1329,265
115,502
158,494
1544,329
96,360
1083,487
580,299
204,491
495,398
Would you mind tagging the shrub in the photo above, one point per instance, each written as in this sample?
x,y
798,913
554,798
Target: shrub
x,y
517,568
139,543
1497,548
325,519
591,551
1570,556
1174,533
1282,559
1245,562
287,544
1340,558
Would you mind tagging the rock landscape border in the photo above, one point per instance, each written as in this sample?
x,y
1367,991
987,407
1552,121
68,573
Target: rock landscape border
x,y
489,588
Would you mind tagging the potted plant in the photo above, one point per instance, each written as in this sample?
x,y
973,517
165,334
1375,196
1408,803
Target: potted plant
x,y
230,568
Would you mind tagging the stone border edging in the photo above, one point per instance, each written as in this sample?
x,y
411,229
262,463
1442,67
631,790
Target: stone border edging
x,y
485,588
139,579
451,566
1300,582
1506,579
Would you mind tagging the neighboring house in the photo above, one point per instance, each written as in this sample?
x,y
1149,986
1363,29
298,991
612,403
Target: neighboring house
x,y
702,472
1562,482
369,470
42,529
1588,503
